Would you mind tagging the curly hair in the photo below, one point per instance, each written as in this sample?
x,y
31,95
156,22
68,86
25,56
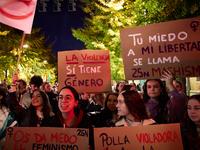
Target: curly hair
x,y
135,105
36,80
163,98
189,127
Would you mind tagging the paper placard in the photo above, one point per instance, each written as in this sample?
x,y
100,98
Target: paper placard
x,y
85,70
150,49
46,138
151,137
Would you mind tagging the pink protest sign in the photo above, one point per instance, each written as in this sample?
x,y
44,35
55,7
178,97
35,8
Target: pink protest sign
x,y
149,50
149,137
85,70
18,13
26,138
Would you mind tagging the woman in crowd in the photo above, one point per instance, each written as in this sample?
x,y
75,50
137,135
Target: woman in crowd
x,y
119,86
38,114
69,115
6,117
108,116
159,105
131,110
191,124
155,97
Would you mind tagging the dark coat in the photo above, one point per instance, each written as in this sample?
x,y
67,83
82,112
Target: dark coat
x,y
22,115
83,121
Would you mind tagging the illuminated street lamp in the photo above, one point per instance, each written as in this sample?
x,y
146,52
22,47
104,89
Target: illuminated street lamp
x,y
25,46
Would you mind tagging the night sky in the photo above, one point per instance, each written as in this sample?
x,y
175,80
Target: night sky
x,y
56,25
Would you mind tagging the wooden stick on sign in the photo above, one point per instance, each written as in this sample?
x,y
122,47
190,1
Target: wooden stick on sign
x,y
22,43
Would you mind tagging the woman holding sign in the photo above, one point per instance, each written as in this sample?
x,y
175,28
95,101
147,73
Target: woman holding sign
x,y
69,115
191,124
131,110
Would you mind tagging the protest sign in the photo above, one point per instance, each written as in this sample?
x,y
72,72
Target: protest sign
x,y
18,13
150,49
85,70
46,138
151,137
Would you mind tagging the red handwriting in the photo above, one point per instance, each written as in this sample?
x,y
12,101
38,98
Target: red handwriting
x,y
19,136
39,138
186,71
157,137
63,138
88,57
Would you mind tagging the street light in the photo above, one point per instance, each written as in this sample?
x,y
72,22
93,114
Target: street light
x,y
25,46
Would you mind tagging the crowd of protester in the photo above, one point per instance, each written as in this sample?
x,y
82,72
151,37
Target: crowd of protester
x,y
40,105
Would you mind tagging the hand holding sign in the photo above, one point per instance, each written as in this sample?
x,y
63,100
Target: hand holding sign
x,y
168,77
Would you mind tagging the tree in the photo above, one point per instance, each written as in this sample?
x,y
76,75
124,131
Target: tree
x,y
106,17
36,59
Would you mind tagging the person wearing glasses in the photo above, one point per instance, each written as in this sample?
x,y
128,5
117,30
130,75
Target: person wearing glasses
x,y
38,114
69,114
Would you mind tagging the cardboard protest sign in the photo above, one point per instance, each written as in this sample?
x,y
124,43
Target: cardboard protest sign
x,y
18,13
152,137
150,49
26,138
85,70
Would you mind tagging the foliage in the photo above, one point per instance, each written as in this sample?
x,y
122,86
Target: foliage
x,y
32,58
106,17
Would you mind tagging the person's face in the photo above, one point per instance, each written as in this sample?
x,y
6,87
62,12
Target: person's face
x,y
121,106
66,101
193,110
22,86
177,86
112,102
47,88
121,85
133,87
37,99
33,87
153,89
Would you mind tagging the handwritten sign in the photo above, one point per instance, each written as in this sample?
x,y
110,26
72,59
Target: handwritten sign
x,y
85,70
152,137
26,138
148,50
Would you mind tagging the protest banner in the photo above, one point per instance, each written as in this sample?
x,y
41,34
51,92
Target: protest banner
x,y
46,138
150,137
85,70
18,13
148,50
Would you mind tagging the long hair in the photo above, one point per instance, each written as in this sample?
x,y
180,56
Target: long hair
x,y
163,98
3,100
47,109
106,101
135,105
189,127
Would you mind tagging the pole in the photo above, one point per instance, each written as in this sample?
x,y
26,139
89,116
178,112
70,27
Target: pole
x,y
22,43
